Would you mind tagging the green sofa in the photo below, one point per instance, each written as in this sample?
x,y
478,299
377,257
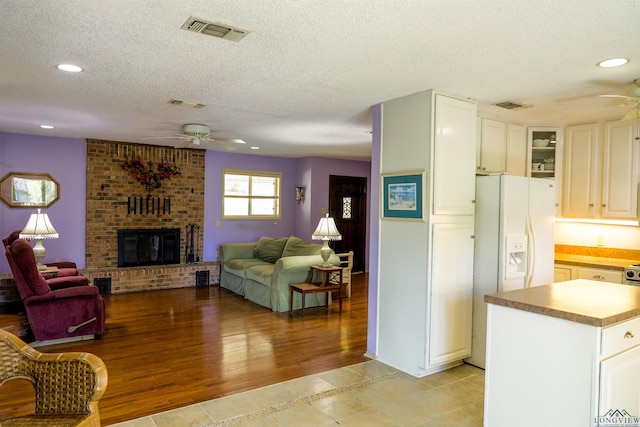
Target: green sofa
x,y
262,271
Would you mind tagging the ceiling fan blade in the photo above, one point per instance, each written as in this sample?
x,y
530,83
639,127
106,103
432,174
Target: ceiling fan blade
x,y
634,113
184,143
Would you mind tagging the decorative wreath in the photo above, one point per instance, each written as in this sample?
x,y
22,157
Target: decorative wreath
x,y
146,175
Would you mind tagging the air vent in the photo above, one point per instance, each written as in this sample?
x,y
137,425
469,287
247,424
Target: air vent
x,y
215,29
186,104
511,105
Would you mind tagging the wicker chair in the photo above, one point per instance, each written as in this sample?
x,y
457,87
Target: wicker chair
x,y
67,385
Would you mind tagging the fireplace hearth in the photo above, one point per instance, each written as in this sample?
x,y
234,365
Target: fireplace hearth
x,y
148,246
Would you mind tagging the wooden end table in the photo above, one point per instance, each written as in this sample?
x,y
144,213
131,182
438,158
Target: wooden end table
x,y
49,272
331,281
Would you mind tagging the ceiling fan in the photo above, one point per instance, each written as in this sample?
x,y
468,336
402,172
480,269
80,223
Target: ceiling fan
x,y
195,134
632,97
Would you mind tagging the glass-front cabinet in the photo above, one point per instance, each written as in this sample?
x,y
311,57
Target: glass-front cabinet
x,y
544,147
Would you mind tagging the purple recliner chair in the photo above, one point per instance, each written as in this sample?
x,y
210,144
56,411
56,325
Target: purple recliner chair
x,y
62,307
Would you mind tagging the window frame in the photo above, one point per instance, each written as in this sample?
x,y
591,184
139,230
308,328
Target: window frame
x,y
253,174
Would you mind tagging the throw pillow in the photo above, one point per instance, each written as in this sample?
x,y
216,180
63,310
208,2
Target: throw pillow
x,y
297,246
270,249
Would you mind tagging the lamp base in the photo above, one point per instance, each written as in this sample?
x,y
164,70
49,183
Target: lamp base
x,y
39,252
325,253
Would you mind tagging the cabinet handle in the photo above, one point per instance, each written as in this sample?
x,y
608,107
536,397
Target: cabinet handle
x,y
628,334
590,205
598,277
604,205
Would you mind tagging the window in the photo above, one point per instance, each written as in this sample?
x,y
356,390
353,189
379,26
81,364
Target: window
x,y
250,194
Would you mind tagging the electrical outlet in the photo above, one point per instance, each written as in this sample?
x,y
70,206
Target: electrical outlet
x,y
323,211
218,223
600,241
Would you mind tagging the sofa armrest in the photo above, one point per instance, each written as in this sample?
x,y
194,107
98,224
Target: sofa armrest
x,y
229,251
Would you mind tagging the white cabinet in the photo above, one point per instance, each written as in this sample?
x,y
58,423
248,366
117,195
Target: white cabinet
x,y
600,274
503,148
600,180
451,311
545,152
564,272
425,275
516,159
493,146
575,371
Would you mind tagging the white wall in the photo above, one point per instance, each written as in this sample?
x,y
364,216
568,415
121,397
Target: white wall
x,y
613,236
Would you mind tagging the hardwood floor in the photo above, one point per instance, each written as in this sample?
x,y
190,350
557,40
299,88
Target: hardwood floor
x,y
170,348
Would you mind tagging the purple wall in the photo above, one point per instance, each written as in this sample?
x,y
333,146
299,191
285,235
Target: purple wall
x,y
65,160
297,219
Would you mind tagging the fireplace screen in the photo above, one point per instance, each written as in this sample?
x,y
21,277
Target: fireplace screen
x,y
148,247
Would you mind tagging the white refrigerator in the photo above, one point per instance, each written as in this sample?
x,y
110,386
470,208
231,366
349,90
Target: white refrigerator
x,y
514,243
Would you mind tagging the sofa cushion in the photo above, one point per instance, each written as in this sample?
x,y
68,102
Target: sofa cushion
x,y
240,266
269,249
261,273
297,246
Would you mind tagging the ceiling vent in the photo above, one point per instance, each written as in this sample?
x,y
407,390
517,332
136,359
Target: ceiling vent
x,y
186,104
215,29
511,105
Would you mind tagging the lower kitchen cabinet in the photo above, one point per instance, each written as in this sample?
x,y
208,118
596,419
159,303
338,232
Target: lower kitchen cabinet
x,y
564,272
548,370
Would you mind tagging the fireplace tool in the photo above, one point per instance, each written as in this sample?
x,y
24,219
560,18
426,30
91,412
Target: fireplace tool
x,y
191,250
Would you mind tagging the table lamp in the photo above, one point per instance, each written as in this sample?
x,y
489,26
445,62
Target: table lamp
x,y
38,228
326,231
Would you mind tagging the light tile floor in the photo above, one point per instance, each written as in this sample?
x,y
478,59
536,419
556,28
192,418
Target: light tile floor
x,y
369,393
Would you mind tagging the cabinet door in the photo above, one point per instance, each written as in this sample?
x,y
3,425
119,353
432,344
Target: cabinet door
x,y
516,156
450,304
493,145
620,384
580,156
619,171
561,273
454,156
600,274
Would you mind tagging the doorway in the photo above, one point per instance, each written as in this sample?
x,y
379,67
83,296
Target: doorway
x,y
348,206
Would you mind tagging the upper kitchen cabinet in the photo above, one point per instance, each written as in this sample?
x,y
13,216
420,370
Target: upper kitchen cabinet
x,y
544,148
516,163
600,179
493,146
502,148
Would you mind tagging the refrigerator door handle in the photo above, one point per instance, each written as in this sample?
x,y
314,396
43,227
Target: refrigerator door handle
x,y
531,252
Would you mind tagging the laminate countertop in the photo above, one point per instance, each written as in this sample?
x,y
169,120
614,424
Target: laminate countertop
x,y
590,302
594,261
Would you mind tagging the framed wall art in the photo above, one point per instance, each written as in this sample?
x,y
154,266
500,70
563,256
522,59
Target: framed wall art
x,y
403,195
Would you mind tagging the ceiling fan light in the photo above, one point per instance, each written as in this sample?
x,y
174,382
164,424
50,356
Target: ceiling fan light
x,y
613,62
195,141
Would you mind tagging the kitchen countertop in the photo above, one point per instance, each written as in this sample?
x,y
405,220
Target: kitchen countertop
x,y
593,261
590,302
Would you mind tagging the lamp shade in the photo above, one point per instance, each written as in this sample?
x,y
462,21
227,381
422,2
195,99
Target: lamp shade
x,y
38,227
326,230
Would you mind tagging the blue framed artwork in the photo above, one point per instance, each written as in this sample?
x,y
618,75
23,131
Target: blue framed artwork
x,y
403,195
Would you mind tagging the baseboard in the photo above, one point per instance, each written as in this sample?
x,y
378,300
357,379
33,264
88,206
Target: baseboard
x,y
61,340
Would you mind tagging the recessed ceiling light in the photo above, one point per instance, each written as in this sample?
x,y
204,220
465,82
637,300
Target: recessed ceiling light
x,y
47,127
255,148
70,68
613,62
238,141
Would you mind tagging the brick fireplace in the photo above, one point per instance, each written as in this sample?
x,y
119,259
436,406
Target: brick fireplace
x,y
111,194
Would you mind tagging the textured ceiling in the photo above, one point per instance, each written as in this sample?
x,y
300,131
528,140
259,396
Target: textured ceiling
x,y
302,82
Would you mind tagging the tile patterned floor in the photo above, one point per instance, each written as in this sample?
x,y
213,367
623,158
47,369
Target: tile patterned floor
x,y
369,393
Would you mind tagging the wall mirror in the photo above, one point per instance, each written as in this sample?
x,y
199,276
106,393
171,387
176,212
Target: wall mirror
x,y
28,190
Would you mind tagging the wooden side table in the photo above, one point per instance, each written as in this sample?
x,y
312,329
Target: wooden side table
x,y
331,281
49,272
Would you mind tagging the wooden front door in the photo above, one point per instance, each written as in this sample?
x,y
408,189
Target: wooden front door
x,y
348,206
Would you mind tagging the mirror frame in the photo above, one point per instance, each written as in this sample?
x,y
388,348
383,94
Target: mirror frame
x,y
6,186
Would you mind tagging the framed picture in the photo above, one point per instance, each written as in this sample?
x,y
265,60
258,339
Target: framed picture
x,y
403,195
